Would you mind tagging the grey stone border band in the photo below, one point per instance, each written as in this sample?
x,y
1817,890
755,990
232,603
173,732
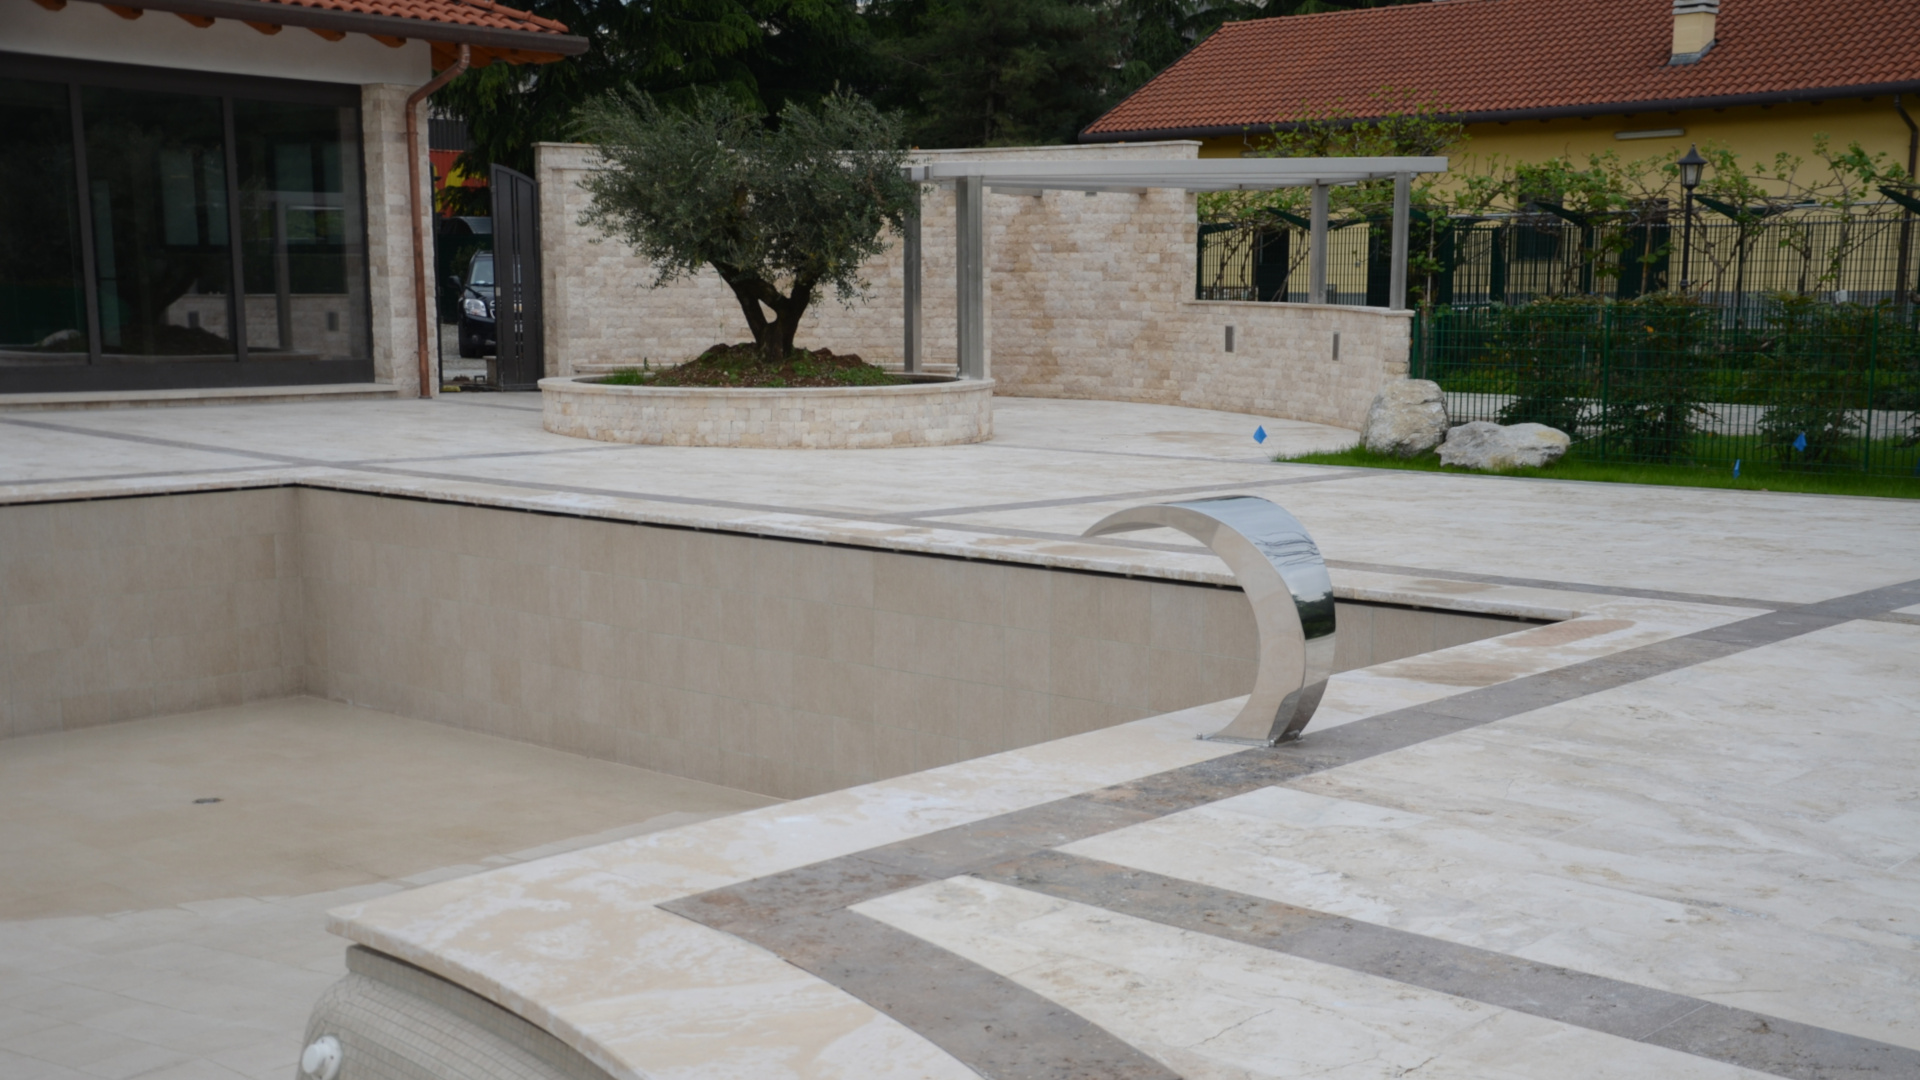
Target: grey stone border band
x,y
797,914
1643,1014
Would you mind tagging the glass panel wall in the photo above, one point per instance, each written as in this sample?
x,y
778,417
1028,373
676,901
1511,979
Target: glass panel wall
x,y
43,311
162,228
157,182
301,230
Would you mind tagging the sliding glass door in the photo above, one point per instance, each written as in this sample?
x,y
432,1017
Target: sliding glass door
x,y
172,229
43,293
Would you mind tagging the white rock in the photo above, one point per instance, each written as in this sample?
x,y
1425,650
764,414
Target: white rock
x,y
1481,445
1406,419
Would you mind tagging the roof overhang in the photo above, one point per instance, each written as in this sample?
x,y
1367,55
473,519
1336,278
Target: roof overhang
x,y
1204,174
1555,112
513,46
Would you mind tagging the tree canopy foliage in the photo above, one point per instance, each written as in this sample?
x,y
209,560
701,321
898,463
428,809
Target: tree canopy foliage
x,y
760,53
995,72
779,212
961,72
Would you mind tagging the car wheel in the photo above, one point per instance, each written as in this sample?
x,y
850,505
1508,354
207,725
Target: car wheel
x,y
469,345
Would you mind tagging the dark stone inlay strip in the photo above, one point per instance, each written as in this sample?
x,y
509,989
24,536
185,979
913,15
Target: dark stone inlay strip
x,y
995,1026
96,478
800,915
490,405
1094,500
154,440
101,477
1556,586
990,1023
1644,1014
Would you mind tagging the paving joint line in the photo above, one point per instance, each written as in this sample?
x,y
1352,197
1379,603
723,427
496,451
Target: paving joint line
x,y
756,910
1358,472
1086,500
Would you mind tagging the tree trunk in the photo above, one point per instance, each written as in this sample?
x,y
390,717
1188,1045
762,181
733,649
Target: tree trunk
x,y
790,313
751,292
757,296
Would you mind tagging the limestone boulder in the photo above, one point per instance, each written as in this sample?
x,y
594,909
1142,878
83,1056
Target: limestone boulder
x,y
1481,445
1406,419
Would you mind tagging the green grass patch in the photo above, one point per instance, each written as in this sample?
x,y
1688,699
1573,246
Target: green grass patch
x,y
1573,467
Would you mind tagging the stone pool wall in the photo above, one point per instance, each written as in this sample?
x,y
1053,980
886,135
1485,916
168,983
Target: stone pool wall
x,y
1090,297
115,609
777,666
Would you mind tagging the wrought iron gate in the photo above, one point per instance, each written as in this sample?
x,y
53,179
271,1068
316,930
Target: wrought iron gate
x,y
516,275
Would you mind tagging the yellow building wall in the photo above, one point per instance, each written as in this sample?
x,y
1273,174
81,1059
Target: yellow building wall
x,y
1755,132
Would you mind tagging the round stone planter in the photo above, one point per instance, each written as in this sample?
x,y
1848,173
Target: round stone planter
x,y
933,412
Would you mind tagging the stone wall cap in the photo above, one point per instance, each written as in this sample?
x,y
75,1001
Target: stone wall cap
x,y
591,384
1269,304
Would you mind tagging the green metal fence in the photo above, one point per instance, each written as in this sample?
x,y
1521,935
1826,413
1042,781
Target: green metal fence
x,y
1796,384
1737,260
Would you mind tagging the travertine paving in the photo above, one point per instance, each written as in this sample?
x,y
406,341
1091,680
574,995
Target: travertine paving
x,y
1671,835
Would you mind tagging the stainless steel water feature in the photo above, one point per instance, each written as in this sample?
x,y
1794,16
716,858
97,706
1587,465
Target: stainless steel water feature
x,y
1279,567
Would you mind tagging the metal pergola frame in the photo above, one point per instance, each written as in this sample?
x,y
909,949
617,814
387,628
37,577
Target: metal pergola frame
x,y
972,180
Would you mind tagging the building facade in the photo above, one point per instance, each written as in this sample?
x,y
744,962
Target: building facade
x,y
217,193
1537,79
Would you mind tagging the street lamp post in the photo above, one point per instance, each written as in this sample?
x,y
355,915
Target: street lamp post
x,y
1691,166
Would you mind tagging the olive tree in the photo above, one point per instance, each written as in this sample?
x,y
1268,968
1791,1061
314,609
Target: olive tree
x,y
780,211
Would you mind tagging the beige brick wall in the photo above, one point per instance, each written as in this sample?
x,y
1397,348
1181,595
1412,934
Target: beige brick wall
x,y
1090,298
771,665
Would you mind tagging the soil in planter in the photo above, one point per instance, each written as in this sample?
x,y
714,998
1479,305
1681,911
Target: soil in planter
x,y
743,365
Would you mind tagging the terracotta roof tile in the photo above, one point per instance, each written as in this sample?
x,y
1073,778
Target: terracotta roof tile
x,y
1500,56
481,13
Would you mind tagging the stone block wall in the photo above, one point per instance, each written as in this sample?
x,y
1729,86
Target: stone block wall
x,y
383,124
944,413
1090,297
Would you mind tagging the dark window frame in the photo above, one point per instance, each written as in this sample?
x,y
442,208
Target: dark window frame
x,y
95,374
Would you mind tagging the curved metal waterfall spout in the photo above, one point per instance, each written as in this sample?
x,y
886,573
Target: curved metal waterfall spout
x,y
1280,568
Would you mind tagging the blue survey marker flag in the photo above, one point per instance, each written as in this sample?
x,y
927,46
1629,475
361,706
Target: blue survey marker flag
x,y
1260,434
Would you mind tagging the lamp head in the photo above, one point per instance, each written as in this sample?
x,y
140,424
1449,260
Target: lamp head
x,y
1691,166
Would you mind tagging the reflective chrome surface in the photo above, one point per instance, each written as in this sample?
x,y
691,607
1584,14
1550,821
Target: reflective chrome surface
x,y
1279,567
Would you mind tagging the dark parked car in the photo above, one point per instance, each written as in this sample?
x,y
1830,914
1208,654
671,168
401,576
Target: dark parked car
x,y
476,307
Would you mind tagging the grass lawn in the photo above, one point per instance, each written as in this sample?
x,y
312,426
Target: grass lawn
x,y
1571,467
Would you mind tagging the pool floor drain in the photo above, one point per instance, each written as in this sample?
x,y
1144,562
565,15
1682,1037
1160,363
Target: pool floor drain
x,y
203,802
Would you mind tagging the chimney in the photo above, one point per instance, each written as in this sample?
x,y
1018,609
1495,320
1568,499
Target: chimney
x,y
1692,29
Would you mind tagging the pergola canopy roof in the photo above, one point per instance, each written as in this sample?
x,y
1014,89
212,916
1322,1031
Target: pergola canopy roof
x,y
1203,174
972,179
